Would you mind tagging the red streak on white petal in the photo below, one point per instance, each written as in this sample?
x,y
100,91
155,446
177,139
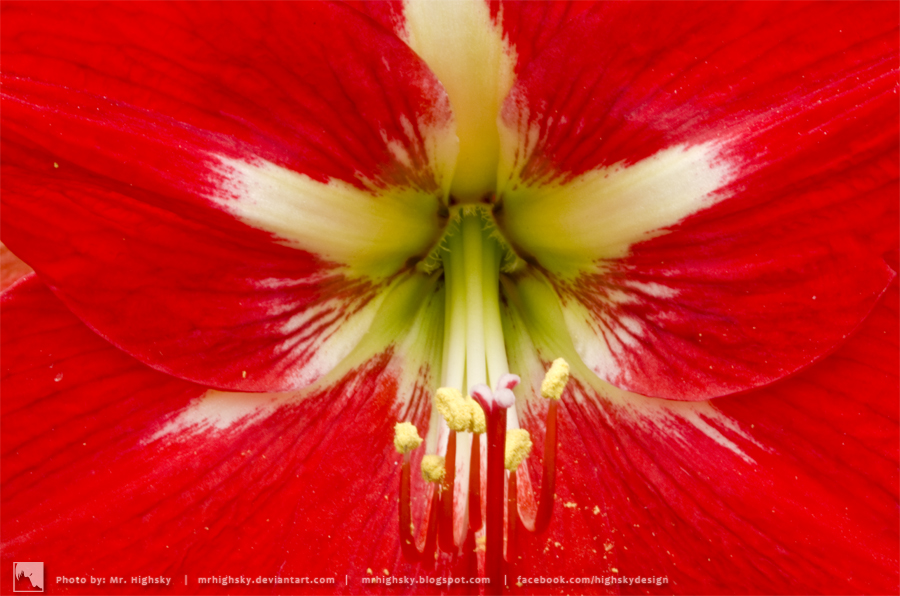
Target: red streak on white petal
x,y
467,51
668,417
372,231
573,224
220,410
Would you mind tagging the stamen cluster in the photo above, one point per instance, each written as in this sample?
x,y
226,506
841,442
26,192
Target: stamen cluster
x,y
463,415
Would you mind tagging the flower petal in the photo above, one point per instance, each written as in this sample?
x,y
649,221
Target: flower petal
x,y
476,48
12,268
464,45
163,477
711,189
241,181
790,488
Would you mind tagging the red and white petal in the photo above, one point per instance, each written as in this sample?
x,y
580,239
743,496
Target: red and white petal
x,y
464,45
243,186
164,477
791,488
711,189
476,48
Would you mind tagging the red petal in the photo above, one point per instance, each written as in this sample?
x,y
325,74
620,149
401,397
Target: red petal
x,y
286,80
788,489
114,187
104,472
798,103
532,26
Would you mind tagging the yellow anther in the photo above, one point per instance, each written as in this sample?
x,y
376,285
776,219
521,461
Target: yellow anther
x,y
518,445
555,380
479,422
433,468
454,409
406,437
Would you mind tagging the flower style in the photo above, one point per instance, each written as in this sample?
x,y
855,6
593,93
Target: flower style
x,y
264,234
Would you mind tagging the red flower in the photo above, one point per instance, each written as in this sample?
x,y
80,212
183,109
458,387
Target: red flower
x,y
260,233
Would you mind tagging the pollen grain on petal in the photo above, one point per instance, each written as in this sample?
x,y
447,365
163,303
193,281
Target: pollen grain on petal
x,y
406,437
518,446
555,380
453,408
433,468
479,422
